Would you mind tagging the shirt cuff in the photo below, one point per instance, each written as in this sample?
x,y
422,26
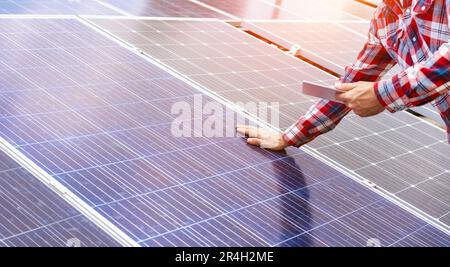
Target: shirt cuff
x,y
295,138
391,94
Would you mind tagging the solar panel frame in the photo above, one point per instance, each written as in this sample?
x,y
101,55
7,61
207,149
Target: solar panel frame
x,y
316,151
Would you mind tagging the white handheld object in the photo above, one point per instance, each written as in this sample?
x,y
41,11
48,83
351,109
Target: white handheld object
x,y
321,91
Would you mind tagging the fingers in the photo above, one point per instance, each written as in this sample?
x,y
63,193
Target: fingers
x,y
345,86
241,129
344,93
249,131
254,141
266,144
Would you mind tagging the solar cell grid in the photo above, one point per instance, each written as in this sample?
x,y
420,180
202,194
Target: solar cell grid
x,y
284,74
162,8
251,9
294,10
324,9
230,63
330,44
159,197
51,7
424,237
33,215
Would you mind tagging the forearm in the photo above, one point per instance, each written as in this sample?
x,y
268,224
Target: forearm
x,y
319,119
417,85
372,62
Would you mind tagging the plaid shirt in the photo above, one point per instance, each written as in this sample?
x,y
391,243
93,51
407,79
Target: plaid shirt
x,y
416,36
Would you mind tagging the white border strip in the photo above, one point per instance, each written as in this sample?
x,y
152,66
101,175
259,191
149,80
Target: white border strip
x,y
361,180
34,16
87,17
113,8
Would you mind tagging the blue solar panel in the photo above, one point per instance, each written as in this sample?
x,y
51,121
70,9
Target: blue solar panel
x,y
292,9
55,7
33,215
163,8
117,154
304,217
424,237
333,45
251,9
239,67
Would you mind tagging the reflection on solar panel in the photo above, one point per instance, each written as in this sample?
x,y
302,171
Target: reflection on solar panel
x,y
33,215
104,133
164,8
238,67
295,9
54,7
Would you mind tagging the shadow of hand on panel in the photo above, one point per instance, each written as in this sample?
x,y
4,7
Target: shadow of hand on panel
x,y
295,210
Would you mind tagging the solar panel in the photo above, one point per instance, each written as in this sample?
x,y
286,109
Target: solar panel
x,y
228,62
330,44
238,67
162,8
55,7
34,215
254,9
291,10
422,238
117,153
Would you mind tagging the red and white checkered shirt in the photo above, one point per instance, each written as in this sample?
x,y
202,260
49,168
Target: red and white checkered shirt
x,y
416,36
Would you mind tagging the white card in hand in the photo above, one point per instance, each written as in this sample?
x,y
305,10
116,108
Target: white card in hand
x,y
321,91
